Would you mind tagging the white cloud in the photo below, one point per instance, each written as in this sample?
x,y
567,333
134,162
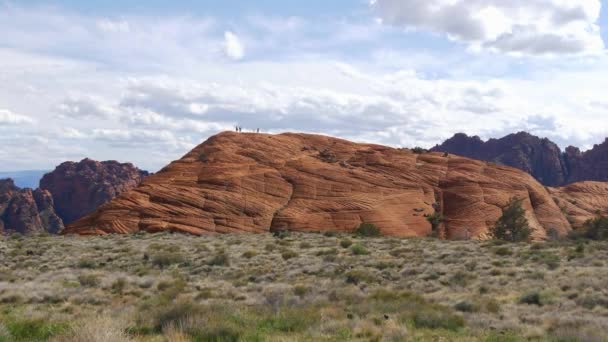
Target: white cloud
x,y
532,27
113,26
107,96
233,47
86,107
7,117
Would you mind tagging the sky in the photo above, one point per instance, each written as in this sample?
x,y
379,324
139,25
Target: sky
x,y
145,81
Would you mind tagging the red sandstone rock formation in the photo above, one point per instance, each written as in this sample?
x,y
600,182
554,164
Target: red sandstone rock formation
x,y
26,211
80,188
236,183
583,201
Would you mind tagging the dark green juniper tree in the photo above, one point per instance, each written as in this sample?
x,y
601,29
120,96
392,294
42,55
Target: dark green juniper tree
x,y
597,229
512,226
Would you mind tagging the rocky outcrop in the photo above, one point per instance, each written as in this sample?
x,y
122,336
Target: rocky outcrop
x,y
590,165
582,201
541,158
80,188
235,183
26,211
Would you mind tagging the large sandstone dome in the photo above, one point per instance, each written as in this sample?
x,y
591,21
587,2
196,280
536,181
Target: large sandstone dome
x,y
245,182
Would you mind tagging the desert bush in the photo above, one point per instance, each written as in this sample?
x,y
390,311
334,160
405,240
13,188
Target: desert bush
x,y
437,318
305,245
100,329
345,243
466,306
367,230
503,251
87,263
358,276
249,254
220,259
358,249
165,259
88,280
596,229
419,150
435,220
119,285
33,329
301,290
512,226
288,254
531,298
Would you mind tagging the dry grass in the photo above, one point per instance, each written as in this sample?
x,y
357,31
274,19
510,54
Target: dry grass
x,y
303,287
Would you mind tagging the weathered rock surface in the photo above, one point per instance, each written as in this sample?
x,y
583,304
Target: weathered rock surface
x,y
80,188
541,158
582,201
26,211
257,183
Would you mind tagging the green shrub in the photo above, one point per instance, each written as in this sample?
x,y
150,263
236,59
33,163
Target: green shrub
x,y
359,250
88,280
87,263
435,220
301,290
367,230
503,251
419,150
220,259
167,258
465,306
288,254
34,329
597,229
217,334
532,298
357,276
174,314
512,226
345,243
305,245
437,318
119,285
249,254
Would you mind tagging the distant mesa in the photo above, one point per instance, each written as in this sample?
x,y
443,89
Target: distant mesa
x,y
80,188
539,157
68,193
256,183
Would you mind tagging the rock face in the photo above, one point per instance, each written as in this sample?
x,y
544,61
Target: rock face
x,y
582,201
258,183
541,158
80,188
26,211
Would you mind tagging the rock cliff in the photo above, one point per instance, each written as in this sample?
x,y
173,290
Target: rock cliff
x,y
80,188
541,158
27,211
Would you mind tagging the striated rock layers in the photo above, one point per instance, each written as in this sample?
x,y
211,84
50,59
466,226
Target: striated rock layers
x,y
236,183
80,188
27,211
582,201
541,158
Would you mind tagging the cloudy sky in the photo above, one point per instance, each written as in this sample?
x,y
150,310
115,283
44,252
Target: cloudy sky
x,y
145,81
